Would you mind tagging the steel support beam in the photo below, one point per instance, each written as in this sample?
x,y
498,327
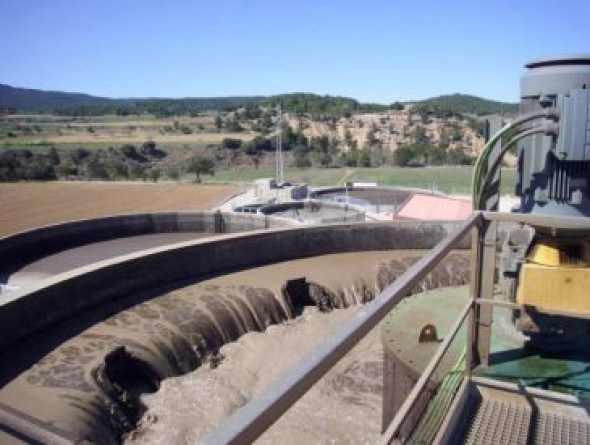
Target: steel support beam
x,y
487,258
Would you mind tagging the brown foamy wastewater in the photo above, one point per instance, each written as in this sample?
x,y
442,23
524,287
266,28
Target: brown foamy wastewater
x,y
343,407
91,384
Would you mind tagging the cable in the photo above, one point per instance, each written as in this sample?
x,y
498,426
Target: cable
x,y
549,113
480,175
480,160
548,129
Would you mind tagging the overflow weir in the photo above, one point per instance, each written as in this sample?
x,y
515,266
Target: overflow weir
x,y
80,347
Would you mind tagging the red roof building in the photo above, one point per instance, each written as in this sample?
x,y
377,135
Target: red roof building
x,y
434,207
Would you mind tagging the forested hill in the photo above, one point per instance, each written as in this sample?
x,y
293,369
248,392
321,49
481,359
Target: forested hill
x,y
26,99
13,99
317,106
466,104
30,100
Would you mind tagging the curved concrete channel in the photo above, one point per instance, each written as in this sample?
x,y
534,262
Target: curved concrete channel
x,y
21,249
84,345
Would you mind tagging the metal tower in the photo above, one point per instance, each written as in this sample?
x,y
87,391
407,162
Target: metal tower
x,y
279,158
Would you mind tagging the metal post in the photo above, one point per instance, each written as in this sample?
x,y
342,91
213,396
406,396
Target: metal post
x,y
487,246
471,357
279,160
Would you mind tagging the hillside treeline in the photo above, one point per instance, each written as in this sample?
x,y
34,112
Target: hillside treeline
x,y
14,99
326,152
313,106
459,104
126,162
321,107
148,162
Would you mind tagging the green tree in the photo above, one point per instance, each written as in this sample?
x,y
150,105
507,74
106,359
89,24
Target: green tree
x,y
477,125
37,168
66,169
231,143
135,170
233,124
129,151
116,169
437,154
350,158
252,111
289,136
364,158
456,156
218,122
95,168
148,147
201,165
80,154
257,145
53,156
266,121
403,155
456,132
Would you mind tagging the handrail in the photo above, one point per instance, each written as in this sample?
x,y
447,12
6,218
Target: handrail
x,y
404,410
531,307
251,420
556,222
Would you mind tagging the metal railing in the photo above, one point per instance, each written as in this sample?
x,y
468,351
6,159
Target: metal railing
x,y
404,411
251,420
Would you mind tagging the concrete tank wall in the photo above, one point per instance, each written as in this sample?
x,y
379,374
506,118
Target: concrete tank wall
x,y
64,296
318,212
370,199
25,247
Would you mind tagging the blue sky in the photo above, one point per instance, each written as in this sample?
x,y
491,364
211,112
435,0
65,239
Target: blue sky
x,y
372,50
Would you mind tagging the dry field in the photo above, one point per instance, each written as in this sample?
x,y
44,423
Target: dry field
x,y
27,205
49,130
137,136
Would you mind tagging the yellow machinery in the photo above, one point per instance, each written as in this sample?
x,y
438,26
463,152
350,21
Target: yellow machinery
x,y
556,276
546,270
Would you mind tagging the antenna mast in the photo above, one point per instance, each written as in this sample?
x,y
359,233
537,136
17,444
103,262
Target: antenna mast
x,y
279,160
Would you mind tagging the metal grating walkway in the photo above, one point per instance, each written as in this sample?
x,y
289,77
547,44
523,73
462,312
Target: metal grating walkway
x,y
499,422
554,429
507,417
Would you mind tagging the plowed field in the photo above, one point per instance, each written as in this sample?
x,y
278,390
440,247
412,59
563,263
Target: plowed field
x,y
27,205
